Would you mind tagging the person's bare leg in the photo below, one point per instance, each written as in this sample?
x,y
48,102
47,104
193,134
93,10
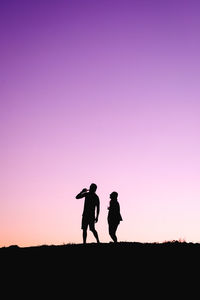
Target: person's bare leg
x,y
95,235
114,237
84,236
112,232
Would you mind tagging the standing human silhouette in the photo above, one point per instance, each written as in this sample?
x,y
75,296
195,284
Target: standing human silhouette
x,y
114,216
90,211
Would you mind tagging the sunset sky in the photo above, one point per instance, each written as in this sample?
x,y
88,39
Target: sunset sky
x,y
106,92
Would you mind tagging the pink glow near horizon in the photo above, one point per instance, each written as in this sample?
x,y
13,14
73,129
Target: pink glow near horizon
x,y
102,92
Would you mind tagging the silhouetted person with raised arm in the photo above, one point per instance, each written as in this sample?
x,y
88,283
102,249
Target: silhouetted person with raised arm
x,y
90,211
114,216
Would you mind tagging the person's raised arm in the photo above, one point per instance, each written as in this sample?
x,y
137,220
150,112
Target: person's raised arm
x,y
81,194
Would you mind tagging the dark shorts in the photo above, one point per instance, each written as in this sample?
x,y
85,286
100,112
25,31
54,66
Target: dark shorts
x,y
88,221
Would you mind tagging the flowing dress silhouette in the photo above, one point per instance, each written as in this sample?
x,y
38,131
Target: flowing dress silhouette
x,y
114,216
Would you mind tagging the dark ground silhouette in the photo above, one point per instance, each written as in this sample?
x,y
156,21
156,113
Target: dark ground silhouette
x,y
105,269
122,256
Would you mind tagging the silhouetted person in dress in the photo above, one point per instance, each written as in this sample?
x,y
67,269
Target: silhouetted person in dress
x,y
90,211
114,216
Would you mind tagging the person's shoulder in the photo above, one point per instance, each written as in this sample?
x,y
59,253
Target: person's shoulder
x,y
117,203
96,196
86,195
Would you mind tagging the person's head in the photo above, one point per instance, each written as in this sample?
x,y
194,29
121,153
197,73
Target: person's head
x,y
93,188
113,196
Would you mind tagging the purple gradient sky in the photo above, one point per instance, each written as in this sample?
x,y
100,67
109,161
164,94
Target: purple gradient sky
x,y
105,92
